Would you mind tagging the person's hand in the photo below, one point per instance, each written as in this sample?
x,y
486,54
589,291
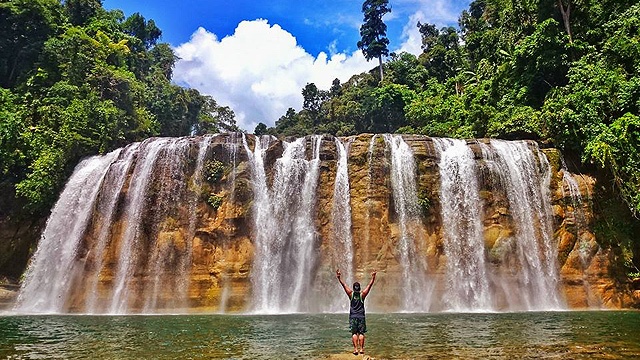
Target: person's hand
x,y
373,274
338,273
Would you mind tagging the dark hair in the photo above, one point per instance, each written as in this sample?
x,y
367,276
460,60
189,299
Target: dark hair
x,y
356,286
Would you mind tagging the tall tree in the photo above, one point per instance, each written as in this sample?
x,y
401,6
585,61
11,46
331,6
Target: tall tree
x,y
26,25
80,11
374,31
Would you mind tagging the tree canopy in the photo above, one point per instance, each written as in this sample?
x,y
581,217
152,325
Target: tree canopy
x,y
563,72
373,32
78,80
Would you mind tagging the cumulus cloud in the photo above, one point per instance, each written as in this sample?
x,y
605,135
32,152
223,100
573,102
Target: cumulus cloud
x,y
412,39
259,71
439,12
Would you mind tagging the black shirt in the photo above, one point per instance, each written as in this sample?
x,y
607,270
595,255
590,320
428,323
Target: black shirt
x,y
357,306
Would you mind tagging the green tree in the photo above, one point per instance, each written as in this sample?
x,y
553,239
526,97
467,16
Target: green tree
x,y
373,32
78,80
312,101
442,54
26,26
213,118
336,88
11,154
405,69
261,129
145,31
80,11
387,111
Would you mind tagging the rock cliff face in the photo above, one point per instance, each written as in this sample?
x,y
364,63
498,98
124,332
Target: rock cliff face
x,y
180,225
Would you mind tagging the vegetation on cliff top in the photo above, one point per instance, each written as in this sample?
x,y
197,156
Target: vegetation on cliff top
x,y
562,72
77,80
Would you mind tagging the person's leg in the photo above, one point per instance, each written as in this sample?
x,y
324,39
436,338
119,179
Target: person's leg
x,y
362,331
353,326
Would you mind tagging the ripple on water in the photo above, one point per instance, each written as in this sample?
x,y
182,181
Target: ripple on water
x,y
576,335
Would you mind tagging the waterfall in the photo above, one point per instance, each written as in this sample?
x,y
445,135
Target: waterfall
x,y
196,180
110,193
467,282
163,255
53,267
232,144
131,247
120,239
575,197
416,289
585,246
369,202
86,264
264,231
524,174
341,223
285,235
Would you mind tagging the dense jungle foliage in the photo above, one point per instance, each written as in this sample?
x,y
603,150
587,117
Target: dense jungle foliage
x,y
78,80
564,72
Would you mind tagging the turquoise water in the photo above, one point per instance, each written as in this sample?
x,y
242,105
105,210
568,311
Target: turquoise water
x,y
558,335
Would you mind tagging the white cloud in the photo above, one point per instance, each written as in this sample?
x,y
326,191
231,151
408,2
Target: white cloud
x,y
259,71
439,12
412,39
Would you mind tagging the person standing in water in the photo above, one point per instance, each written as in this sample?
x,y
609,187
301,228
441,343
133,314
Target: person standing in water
x,y
357,321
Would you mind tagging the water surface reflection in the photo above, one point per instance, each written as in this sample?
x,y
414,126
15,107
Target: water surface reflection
x,y
575,335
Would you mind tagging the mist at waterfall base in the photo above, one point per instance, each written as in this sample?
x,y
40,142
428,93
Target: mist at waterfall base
x,y
86,264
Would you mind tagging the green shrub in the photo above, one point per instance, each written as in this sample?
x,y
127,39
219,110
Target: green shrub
x,y
424,202
213,171
215,201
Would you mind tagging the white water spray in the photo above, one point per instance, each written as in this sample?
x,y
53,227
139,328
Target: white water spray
x,y
416,288
53,267
467,282
524,173
341,223
285,234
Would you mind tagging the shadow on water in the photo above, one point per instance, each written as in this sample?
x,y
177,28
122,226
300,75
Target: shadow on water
x,y
574,335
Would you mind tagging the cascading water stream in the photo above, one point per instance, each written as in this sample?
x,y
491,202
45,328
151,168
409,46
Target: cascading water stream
x,y
284,228
576,198
260,276
52,270
130,247
114,182
196,180
232,145
341,224
368,203
163,255
467,281
416,288
584,248
120,239
524,173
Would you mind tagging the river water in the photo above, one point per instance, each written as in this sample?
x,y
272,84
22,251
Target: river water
x,y
533,335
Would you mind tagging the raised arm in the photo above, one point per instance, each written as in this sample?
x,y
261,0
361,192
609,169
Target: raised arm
x,y
366,290
344,286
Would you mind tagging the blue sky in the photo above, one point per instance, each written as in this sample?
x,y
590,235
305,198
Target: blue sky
x,y
255,56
